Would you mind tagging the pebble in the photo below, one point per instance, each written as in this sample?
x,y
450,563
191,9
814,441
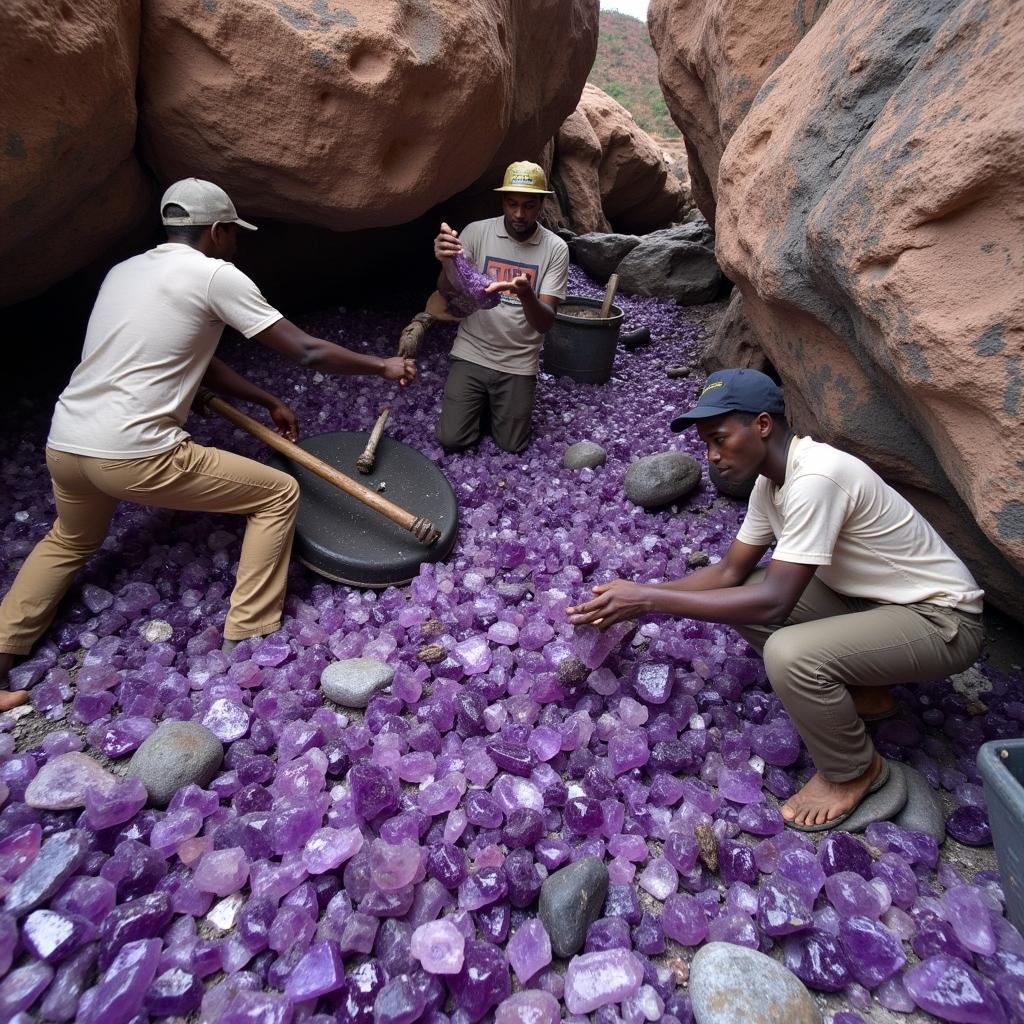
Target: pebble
x,y
923,810
584,455
883,805
156,631
657,480
353,682
63,782
729,984
571,899
177,754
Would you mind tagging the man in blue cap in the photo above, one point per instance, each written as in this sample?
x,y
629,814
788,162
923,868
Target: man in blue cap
x,y
860,594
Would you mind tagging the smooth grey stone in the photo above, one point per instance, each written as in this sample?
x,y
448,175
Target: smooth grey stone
x,y
353,682
177,754
923,810
599,254
881,806
657,480
571,900
584,455
730,984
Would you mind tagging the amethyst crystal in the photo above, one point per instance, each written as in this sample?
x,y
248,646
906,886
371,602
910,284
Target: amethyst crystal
x,y
599,979
470,288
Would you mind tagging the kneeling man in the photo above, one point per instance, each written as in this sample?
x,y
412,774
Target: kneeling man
x,y
860,594
496,353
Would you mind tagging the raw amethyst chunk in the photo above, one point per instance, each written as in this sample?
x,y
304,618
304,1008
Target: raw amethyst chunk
x,y
470,287
483,982
947,987
598,979
120,993
873,952
818,960
318,972
59,858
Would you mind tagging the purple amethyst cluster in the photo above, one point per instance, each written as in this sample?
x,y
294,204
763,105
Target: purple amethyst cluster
x,y
470,286
385,866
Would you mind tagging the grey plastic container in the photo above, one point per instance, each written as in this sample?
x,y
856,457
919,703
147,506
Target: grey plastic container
x,y
1001,763
581,348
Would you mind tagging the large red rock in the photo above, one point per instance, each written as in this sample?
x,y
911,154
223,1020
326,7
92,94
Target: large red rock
x,y
713,56
639,192
355,114
70,185
576,175
871,212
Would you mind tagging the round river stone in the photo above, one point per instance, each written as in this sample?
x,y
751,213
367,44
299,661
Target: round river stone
x,y
175,755
657,480
571,900
353,682
731,983
584,455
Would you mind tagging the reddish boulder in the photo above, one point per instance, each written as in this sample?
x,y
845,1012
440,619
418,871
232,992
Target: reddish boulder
x,y
871,212
577,175
713,57
358,115
69,182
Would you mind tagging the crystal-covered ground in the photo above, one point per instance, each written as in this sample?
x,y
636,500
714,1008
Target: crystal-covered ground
x,y
384,866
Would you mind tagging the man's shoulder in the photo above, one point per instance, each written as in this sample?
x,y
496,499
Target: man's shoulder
x,y
556,242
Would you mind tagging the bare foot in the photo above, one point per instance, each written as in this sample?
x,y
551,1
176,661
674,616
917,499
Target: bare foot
x,y
873,701
12,699
821,801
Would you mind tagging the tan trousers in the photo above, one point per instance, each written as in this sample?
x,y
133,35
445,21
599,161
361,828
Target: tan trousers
x,y
830,642
189,477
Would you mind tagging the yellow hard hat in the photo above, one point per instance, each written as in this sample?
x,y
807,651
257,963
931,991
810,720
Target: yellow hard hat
x,y
522,176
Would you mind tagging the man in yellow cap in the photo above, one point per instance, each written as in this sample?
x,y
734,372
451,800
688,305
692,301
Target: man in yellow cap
x,y
496,353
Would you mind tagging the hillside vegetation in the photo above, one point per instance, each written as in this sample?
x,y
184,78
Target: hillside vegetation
x,y
627,69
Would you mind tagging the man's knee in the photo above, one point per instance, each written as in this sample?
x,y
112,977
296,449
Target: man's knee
x,y
779,660
453,440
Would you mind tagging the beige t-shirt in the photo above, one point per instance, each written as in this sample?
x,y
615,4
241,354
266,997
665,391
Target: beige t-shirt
x,y
152,333
835,512
501,338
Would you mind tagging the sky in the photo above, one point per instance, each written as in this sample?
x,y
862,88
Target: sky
x,y
638,8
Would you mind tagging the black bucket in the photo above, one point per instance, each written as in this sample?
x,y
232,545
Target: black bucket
x,y
580,347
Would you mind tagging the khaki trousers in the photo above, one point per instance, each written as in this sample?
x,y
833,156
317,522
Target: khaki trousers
x,y
469,391
830,642
188,477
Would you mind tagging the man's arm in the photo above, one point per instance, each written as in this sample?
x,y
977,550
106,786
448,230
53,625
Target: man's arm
x,y
446,245
714,594
302,348
221,378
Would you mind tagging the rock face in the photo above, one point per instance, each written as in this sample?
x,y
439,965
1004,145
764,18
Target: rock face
x,y
867,206
713,56
734,343
355,115
610,173
675,263
655,480
69,181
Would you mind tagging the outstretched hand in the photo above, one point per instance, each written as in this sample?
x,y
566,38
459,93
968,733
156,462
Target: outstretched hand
x,y
447,243
615,601
520,285
399,368
285,421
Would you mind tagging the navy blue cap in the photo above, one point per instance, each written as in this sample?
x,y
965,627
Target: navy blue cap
x,y
734,391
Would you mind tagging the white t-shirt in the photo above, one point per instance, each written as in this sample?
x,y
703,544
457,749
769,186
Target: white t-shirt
x,y
835,512
152,333
502,338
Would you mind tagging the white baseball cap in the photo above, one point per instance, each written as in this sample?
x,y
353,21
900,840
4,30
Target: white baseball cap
x,y
204,202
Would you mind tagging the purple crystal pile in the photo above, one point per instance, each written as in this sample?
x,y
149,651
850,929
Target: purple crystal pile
x,y
387,867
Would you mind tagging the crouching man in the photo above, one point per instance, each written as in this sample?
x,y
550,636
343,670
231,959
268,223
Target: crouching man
x,y
860,594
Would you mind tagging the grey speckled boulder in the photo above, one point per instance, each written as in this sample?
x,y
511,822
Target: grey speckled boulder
x,y
600,254
729,984
923,810
584,455
177,754
660,479
571,900
353,682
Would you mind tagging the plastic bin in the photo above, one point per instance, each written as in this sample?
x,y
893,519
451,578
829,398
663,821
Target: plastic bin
x,y
582,348
1001,763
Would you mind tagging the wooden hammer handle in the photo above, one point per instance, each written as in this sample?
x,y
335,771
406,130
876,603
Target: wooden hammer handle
x,y
369,455
419,526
